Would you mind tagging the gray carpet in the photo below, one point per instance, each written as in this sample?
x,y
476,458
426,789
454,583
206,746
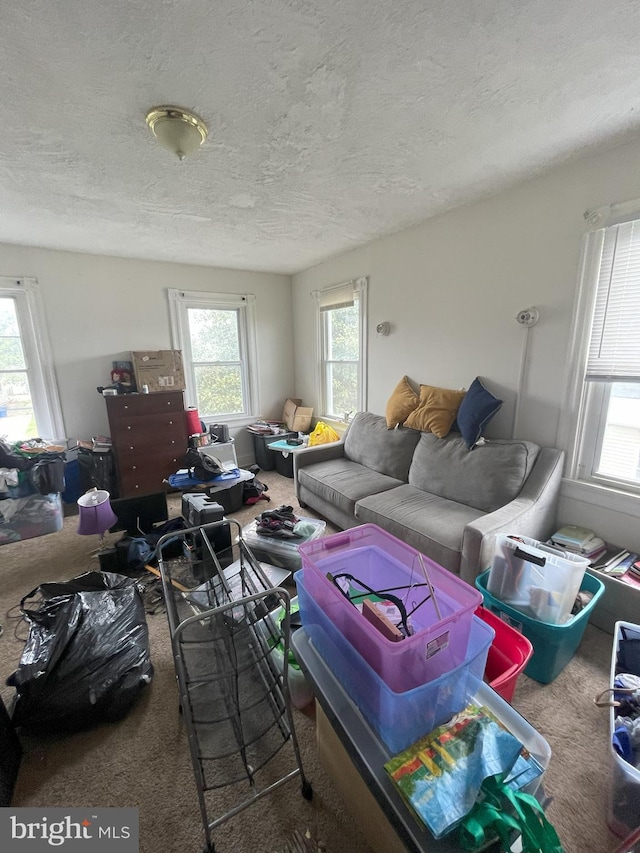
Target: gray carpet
x,y
144,760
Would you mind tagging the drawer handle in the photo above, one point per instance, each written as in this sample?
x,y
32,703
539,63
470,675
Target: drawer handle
x,y
128,427
125,407
133,467
173,442
171,422
131,448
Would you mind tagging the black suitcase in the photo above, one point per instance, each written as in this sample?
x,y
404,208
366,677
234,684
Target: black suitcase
x,y
199,509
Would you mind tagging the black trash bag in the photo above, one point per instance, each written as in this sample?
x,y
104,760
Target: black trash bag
x,y
86,658
47,473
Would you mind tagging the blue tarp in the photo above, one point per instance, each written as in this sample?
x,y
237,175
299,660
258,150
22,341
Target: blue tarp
x,y
182,479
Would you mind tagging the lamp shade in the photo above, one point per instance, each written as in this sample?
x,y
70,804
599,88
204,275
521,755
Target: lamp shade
x,y
96,513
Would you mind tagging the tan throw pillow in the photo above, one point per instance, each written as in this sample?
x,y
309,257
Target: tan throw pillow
x,y
401,403
437,410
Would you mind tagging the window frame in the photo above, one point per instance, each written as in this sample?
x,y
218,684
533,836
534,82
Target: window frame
x,y
180,301
359,289
583,416
37,352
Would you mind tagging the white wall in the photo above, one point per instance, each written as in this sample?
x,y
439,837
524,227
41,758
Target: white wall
x,y
99,308
451,288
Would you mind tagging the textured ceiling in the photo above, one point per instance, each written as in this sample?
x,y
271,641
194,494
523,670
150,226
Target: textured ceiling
x,y
332,122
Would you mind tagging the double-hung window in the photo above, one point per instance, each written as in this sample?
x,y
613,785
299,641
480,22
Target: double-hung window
x,y
606,387
341,318
29,404
216,333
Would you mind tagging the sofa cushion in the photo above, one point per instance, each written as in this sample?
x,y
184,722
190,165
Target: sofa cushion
x,y
487,477
437,410
370,443
433,525
401,403
342,482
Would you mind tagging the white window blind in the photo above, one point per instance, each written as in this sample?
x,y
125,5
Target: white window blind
x,y
342,296
614,350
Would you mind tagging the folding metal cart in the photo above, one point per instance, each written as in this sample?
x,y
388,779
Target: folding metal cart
x,y
233,688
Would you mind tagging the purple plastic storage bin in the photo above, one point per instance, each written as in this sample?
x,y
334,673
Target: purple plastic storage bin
x,y
398,718
379,560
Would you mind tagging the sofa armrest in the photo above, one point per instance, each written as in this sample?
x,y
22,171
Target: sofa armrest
x,y
311,455
532,513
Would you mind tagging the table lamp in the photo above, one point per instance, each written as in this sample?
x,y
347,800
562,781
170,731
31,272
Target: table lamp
x,y
96,514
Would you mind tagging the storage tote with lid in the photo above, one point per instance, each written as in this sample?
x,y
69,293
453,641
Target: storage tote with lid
x,y
539,581
398,717
367,558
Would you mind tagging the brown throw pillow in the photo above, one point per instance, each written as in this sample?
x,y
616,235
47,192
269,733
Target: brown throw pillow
x,y
437,410
401,403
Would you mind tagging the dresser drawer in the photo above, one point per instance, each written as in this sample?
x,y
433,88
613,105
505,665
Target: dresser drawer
x,y
124,406
143,479
143,453
163,430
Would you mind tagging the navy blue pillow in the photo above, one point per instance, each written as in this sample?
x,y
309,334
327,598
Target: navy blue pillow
x,y
476,410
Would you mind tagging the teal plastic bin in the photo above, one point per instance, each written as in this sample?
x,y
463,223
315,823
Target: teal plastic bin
x,y
553,645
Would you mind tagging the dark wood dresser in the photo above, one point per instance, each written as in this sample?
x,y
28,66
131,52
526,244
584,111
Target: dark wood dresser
x,y
149,435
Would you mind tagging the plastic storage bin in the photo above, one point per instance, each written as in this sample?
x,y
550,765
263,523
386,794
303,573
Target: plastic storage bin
x,y
225,451
26,518
265,458
375,558
537,580
508,655
283,455
553,645
280,552
300,691
623,806
399,718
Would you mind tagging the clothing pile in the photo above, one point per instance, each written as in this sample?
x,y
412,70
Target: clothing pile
x,y
281,523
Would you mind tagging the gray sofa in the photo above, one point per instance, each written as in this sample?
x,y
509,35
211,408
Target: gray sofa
x,y
433,493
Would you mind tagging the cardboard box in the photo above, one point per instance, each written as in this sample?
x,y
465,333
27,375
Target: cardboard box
x,y
160,370
297,417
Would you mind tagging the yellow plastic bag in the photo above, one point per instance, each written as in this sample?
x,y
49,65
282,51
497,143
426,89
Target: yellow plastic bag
x,y
323,434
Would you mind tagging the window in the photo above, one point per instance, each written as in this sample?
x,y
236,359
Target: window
x,y
342,348
606,450
29,405
217,337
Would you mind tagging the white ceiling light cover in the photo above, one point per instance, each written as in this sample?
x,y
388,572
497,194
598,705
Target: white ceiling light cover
x,y
178,130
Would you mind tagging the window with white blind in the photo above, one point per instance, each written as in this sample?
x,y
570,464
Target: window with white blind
x,y
341,348
607,437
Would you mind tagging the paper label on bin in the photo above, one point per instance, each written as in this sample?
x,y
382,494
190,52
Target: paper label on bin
x,y
437,645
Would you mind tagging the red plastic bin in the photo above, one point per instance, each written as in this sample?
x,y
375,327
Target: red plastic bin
x,y
508,655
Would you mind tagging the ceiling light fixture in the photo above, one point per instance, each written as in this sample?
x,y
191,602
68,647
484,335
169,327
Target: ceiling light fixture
x,y
177,129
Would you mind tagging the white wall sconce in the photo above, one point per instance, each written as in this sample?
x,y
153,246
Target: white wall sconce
x,y
528,317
